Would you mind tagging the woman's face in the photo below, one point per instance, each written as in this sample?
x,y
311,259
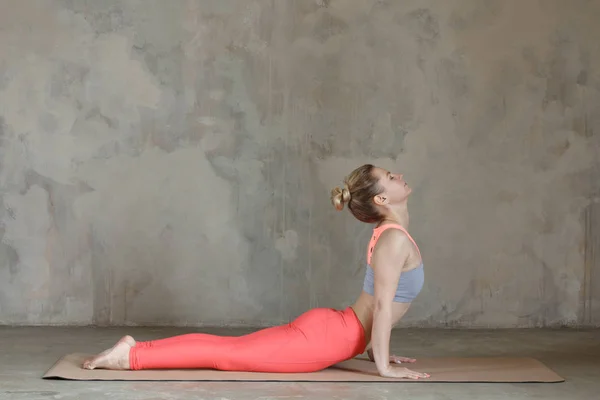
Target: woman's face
x,y
395,188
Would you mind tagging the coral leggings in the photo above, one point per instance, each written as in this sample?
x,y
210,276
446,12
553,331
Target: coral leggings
x,y
315,340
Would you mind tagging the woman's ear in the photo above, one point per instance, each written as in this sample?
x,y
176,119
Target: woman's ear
x,y
380,199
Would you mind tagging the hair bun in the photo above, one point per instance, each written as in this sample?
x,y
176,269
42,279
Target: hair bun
x,y
339,197
346,195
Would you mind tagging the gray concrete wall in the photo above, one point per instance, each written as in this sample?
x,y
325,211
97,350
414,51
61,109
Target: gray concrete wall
x,y
170,162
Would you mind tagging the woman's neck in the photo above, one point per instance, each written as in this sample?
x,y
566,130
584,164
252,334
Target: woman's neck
x,y
398,216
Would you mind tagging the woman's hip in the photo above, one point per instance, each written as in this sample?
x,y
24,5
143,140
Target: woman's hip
x,y
337,332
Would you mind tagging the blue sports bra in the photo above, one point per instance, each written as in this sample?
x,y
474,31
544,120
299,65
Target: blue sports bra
x,y
410,282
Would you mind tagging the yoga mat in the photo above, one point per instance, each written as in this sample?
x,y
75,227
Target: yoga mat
x,y
442,369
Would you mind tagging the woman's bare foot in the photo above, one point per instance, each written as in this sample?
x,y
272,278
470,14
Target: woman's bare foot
x,y
117,357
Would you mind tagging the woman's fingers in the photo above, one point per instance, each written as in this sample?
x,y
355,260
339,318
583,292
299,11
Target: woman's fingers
x,y
410,374
400,360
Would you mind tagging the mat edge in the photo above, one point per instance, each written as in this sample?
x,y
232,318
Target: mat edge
x,y
60,359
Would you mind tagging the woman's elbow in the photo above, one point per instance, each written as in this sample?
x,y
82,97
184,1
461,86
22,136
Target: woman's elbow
x,y
382,306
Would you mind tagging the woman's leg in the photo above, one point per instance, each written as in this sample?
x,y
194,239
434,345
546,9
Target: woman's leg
x,y
215,352
187,337
313,341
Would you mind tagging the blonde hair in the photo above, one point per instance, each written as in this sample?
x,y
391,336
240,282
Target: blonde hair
x,y
361,186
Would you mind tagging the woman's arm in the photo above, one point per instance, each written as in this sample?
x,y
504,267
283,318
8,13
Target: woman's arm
x,y
389,257
392,252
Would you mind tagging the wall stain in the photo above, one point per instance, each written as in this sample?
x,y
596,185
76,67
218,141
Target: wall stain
x,y
328,26
590,294
424,25
9,258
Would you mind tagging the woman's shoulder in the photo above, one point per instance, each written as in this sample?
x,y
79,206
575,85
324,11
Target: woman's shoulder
x,y
391,231
395,240
393,237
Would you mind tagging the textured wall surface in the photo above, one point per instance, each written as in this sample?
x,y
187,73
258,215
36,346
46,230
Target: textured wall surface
x,y
170,162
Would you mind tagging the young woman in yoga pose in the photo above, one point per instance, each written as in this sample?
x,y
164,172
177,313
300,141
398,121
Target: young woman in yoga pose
x,y
320,337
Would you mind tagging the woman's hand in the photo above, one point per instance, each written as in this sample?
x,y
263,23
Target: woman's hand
x,y
401,360
397,372
393,359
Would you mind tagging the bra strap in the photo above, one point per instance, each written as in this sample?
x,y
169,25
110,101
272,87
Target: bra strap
x,y
377,233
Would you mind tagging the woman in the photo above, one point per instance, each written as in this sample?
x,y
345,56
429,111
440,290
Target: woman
x,y
319,337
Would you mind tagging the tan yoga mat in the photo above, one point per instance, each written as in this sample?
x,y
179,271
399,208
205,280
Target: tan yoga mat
x,y
442,369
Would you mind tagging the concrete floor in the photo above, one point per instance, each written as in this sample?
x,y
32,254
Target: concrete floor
x,y
27,352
